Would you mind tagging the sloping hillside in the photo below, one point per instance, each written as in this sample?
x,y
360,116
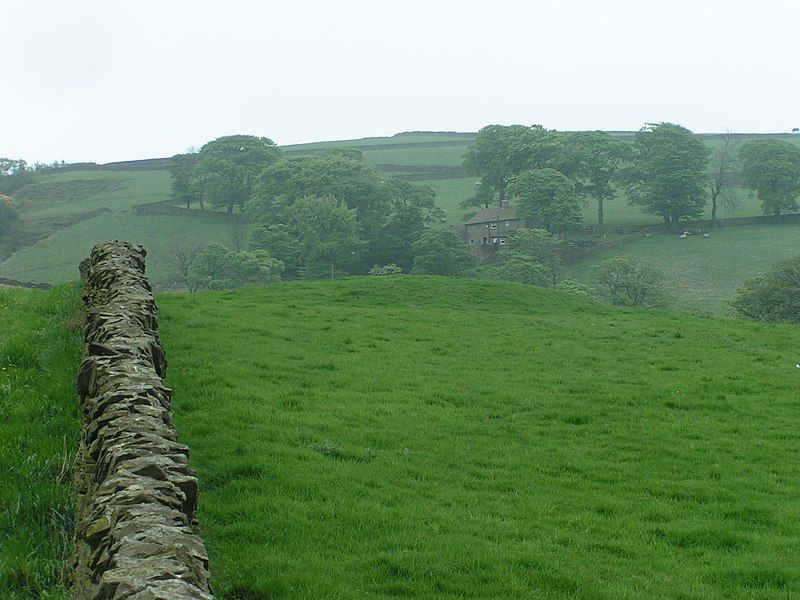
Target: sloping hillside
x,y
434,437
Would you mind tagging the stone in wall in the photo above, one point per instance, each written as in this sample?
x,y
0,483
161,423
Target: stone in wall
x,y
137,534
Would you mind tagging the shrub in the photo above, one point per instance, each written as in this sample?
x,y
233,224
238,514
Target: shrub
x,y
774,298
630,283
390,269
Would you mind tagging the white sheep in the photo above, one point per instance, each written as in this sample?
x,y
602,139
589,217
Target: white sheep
x,y
683,237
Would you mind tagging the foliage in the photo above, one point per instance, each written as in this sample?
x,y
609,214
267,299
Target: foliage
x,y
483,197
390,269
328,234
574,287
667,173
501,152
540,247
596,158
226,168
442,252
391,214
775,297
547,445
547,197
40,348
184,187
772,168
522,268
14,174
217,268
631,283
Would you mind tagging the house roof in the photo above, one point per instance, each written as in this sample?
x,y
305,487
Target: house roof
x,y
494,213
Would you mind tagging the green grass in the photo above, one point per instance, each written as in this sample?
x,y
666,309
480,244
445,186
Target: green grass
x,y
704,274
40,348
57,194
56,258
439,438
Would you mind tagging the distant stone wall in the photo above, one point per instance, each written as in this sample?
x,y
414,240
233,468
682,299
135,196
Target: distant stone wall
x,y
137,533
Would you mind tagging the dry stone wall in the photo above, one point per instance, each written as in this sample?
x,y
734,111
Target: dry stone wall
x,y
137,532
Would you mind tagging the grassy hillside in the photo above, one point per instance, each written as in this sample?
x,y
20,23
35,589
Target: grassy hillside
x,y
704,274
432,437
40,347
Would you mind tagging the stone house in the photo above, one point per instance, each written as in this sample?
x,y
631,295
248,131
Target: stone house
x,y
489,230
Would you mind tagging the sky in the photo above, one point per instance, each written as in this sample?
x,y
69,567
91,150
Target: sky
x,y
116,80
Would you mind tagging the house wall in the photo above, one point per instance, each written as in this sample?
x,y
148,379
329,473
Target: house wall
x,y
478,231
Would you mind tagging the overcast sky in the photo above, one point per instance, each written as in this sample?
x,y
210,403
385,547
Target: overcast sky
x,y
114,80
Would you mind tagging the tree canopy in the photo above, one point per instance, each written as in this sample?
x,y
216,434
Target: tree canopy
x,y
668,171
547,197
227,168
772,168
442,252
501,152
595,158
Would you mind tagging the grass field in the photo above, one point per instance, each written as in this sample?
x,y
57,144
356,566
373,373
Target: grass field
x,y
704,274
40,348
56,258
432,438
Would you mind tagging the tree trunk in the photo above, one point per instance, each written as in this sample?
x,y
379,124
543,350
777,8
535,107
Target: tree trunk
x,y
600,211
331,269
502,190
713,210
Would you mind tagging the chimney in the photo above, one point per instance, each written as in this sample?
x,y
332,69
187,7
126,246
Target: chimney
x,y
503,203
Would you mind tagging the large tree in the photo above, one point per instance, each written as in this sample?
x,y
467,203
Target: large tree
x,y
668,172
227,168
501,152
181,168
595,158
442,252
772,168
547,197
540,247
328,233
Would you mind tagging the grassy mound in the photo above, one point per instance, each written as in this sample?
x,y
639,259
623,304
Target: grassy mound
x,y
40,348
435,437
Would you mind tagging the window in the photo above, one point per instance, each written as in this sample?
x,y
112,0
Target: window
x,y
494,240
508,223
493,225
485,241
471,241
502,241
487,225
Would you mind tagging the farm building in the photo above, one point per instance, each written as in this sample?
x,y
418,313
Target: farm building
x,y
489,230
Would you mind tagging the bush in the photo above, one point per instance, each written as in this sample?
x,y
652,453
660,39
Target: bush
x,y
519,267
8,215
773,298
441,252
630,283
390,269
574,287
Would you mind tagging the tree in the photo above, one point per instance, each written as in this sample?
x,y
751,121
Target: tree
x,y
596,157
501,152
182,255
441,252
14,174
218,267
413,210
540,247
280,241
630,283
8,214
723,176
328,234
483,197
667,173
520,267
772,168
547,196
181,168
227,168
773,298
